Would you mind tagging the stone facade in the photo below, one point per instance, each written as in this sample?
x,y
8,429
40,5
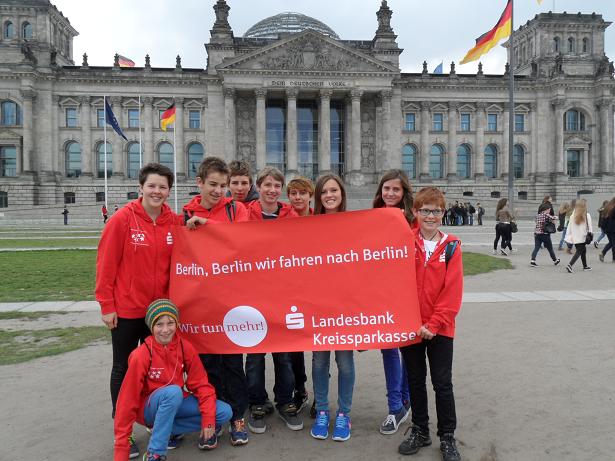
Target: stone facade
x,y
308,103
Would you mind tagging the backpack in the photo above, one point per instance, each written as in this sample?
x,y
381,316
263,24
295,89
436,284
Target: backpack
x,y
231,210
450,250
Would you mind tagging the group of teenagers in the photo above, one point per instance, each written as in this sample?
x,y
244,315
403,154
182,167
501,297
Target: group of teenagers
x,y
159,380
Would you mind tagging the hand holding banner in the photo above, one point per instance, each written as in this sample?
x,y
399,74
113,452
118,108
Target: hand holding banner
x,y
328,282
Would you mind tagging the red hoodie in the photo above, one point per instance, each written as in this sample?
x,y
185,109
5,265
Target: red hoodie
x,y
134,259
255,211
150,367
439,285
220,212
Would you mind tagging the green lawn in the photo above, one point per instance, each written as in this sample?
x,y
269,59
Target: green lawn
x,y
50,243
476,263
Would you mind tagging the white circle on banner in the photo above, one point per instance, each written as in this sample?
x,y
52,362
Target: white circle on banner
x,y
245,326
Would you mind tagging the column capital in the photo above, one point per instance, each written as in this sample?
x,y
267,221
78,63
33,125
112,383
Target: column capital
x,y
115,100
29,95
425,105
147,100
179,102
86,100
229,92
558,103
326,94
260,93
481,105
356,94
386,95
56,99
604,103
453,106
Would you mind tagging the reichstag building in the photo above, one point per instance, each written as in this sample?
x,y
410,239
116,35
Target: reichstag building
x,y
291,93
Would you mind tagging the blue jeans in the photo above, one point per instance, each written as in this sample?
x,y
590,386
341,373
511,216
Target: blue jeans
x,y
169,413
396,379
602,235
284,378
345,379
561,242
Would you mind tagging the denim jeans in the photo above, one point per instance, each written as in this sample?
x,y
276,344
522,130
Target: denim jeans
x,y
610,245
169,413
543,239
284,378
226,374
396,379
561,241
298,363
345,379
439,351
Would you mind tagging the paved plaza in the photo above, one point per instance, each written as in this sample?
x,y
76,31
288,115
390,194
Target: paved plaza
x,y
533,374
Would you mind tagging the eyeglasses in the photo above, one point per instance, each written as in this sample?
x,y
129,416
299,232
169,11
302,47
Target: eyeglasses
x,y
425,212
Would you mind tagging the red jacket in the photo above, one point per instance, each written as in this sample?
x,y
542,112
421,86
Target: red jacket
x,y
439,285
219,213
134,259
150,367
256,211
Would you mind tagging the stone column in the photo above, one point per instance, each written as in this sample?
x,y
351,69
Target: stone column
x,y
452,142
479,149
292,161
116,140
503,160
148,132
606,144
229,124
558,151
179,139
424,153
86,137
324,132
585,162
356,130
348,139
28,97
261,128
386,153
49,154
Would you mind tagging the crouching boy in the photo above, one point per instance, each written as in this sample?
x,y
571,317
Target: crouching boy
x,y
439,279
152,392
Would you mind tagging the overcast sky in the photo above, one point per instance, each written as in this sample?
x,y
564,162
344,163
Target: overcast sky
x,y
431,30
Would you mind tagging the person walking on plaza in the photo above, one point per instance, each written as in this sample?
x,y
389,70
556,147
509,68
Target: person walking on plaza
x,y
579,234
105,214
601,216
166,389
394,191
545,226
330,197
480,212
503,227
569,208
65,215
609,230
471,212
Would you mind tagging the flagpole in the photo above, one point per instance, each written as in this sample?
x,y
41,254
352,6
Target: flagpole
x,y
140,144
105,145
175,165
511,108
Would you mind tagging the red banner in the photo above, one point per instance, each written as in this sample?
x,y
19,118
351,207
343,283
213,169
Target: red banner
x,y
328,282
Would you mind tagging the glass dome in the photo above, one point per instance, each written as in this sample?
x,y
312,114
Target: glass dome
x,y
290,23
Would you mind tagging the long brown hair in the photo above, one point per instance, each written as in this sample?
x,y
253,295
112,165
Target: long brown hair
x,y
609,210
320,184
406,201
501,204
580,211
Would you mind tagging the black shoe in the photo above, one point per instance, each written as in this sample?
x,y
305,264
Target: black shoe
x,y
556,262
448,448
300,398
268,407
313,410
417,440
288,413
533,263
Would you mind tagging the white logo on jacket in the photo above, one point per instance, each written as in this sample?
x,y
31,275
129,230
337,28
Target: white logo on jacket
x,y
169,239
138,237
155,373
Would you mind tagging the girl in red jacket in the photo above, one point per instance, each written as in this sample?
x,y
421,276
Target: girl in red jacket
x,y
439,280
153,390
133,267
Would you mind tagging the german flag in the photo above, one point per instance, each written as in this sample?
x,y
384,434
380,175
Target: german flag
x,y
168,117
125,62
485,42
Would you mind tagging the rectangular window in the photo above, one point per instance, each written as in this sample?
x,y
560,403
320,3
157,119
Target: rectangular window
x,y
133,118
194,119
438,122
71,117
100,118
492,122
519,122
410,122
465,122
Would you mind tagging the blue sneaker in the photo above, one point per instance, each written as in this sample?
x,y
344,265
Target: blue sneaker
x,y
341,432
208,444
175,441
320,428
239,434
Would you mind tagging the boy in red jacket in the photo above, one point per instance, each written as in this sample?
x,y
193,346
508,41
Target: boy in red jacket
x,y
153,390
439,280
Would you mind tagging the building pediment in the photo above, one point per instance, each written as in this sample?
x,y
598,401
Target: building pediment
x,y
577,141
410,107
466,108
69,102
308,51
494,108
9,135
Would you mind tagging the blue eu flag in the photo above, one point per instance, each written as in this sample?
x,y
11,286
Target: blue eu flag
x,y
111,120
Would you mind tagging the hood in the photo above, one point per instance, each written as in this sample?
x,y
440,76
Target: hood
x,y
194,206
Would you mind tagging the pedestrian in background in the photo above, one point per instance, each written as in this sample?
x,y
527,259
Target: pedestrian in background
x,y
609,229
542,233
105,214
65,213
578,234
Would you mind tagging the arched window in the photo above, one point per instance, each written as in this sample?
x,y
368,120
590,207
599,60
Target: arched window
x,y
491,161
9,30
436,161
518,160
100,154
570,45
556,44
133,160
464,161
72,158
27,30
574,120
408,160
585,45
195,156
165,154
10,114
8,161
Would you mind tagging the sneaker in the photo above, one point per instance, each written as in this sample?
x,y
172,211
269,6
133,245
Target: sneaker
x,y
393,421
208,444
533,263
556,262
256,419
503,253
320,428
175,441
596,245
448,448
269,408
134,449
569,268
601,257
237,430
219,430
300,398
587,268
288,413
494,252
341,431
151,457
415,441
